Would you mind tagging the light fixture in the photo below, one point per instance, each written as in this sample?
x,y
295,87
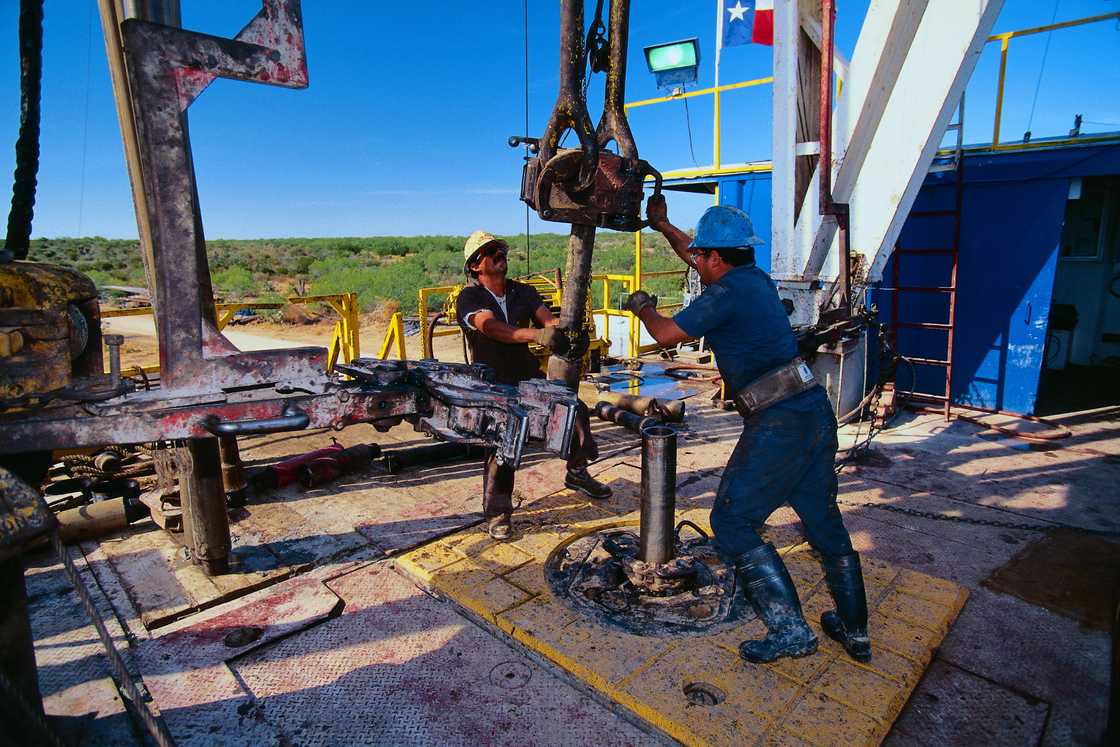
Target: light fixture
x,y
674,63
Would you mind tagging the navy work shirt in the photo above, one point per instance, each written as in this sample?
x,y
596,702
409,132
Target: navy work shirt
x,y
511,361
744,323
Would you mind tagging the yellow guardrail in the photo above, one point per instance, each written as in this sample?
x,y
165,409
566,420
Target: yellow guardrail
x,y
1004,45
422,312
715,92
1004,39
344,341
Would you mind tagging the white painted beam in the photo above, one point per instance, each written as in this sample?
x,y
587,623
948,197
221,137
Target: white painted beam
x,y
783,261
884,43
944,52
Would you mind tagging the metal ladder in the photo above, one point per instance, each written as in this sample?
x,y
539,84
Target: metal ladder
x,y
954,162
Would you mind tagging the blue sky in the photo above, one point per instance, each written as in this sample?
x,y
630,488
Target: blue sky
x,y
403,127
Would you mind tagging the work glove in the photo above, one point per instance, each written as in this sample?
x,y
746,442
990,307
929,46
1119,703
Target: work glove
x,y
639,300
580,342
554,339
657,212
571,344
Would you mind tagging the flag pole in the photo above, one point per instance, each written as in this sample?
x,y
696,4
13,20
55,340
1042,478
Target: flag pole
x,y
715,93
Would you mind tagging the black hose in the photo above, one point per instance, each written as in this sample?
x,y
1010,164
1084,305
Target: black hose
x,y
17,243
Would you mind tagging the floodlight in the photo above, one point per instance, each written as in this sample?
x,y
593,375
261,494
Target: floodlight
x,y
674,63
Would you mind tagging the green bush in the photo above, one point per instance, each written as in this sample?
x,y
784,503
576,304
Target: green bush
x,y
235,282
378,268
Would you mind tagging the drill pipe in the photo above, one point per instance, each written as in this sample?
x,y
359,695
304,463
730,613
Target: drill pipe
x,y
666,410
656,538
325,469
625,418
418,456
573,303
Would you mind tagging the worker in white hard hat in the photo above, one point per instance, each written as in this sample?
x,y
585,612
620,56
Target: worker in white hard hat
x,y
499,318
787,450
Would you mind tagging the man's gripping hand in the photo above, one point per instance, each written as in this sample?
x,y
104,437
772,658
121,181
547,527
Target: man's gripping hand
x,y
564,342
657,212
638,301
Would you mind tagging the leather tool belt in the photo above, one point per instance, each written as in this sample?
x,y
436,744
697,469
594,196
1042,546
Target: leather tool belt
x,y
772,387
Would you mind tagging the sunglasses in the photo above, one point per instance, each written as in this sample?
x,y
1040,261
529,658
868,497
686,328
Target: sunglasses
x,y
493,250
695,254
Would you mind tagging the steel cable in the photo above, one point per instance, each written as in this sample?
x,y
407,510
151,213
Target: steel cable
x,y
18,239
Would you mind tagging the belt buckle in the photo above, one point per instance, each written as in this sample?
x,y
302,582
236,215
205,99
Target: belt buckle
x,y
742,407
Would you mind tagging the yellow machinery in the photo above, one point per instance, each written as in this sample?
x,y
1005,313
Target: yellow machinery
x,y
50,334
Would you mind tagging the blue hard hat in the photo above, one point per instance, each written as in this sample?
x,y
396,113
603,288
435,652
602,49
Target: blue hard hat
x,y
725,227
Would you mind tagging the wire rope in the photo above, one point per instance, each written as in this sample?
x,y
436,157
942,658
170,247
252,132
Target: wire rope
x,y
688,124
85,122
1041,70
525,12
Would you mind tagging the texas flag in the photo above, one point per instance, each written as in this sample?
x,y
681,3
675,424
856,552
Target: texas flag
x,y
748,21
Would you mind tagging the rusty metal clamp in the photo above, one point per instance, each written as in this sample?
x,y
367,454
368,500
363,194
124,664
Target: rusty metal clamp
x,y
589,185
570,111
615,200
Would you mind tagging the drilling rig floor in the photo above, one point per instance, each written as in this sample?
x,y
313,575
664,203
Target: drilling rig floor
x,y
375,610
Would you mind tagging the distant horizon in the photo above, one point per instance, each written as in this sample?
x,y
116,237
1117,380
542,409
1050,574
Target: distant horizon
x,y
687,229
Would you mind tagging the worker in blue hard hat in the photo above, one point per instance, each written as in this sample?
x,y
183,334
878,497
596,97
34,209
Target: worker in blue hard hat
x,y
787,450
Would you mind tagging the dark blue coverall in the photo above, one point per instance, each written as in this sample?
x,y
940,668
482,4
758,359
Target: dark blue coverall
x,y
786,453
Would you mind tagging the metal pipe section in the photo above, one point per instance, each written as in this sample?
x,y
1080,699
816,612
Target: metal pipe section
x,y
205,520
21,699
573,301
824,167
419,456
637,423
656,538
233,472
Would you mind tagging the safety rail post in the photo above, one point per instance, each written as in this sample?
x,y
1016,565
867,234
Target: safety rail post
x,y
422,312
1004,40
1004,43
394,333
344,342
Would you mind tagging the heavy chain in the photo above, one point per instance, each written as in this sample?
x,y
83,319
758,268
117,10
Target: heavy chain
x,y
154,724
936,516
597,45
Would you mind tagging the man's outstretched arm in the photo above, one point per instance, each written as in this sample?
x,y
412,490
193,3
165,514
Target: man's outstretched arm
x,y
488,324
662,328
657,212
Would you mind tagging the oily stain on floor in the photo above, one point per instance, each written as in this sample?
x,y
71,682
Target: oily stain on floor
x,y
1074,574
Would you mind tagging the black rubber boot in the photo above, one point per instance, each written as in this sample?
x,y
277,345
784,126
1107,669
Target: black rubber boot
x,y
770,590
847,624
581,480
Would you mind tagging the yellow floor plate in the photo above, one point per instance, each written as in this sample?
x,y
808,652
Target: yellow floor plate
x,y
824,699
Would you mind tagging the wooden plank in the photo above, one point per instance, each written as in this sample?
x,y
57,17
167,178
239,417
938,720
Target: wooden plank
x,y
920,106
884,42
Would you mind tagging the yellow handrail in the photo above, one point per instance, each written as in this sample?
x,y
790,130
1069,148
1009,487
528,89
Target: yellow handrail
x,y
344,340
701,92
422,312
1004,40
394,334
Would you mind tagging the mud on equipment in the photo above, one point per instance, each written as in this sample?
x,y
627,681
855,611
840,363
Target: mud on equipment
x,y
847,624
770,590
588,186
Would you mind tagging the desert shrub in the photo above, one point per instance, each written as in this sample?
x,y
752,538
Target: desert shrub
x,y
235,282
